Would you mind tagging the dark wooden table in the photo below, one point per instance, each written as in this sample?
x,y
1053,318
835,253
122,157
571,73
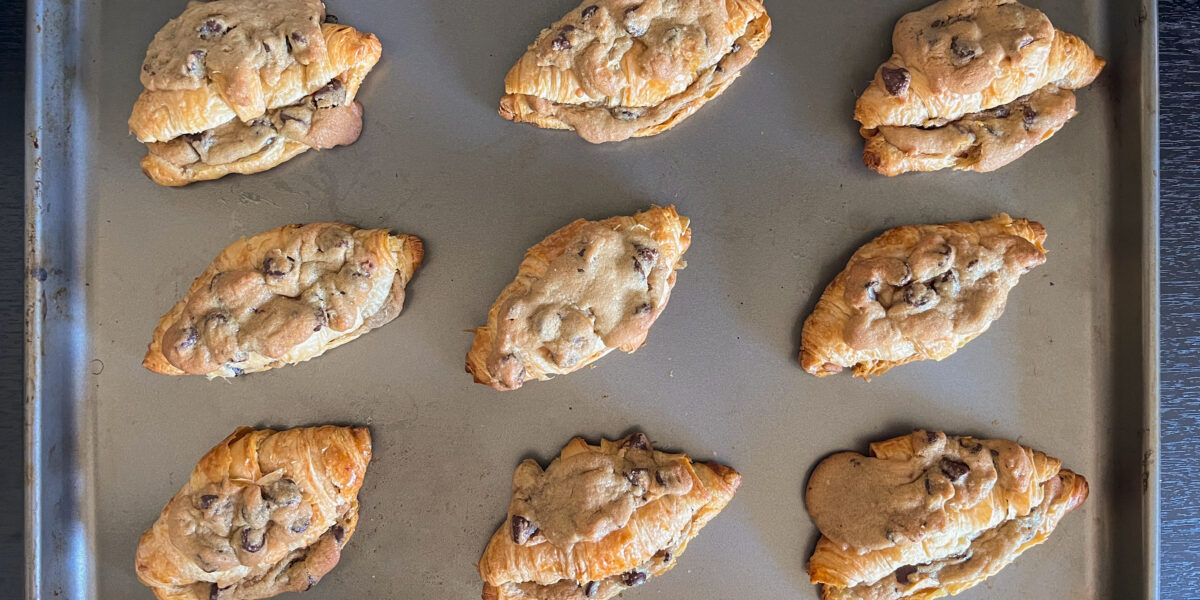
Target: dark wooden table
x,y
1179,48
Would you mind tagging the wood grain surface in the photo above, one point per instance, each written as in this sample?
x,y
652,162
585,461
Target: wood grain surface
x,y
12,298
1179,47
1179,105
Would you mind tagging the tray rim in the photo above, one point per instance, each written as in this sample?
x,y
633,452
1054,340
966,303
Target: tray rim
x,y
58,482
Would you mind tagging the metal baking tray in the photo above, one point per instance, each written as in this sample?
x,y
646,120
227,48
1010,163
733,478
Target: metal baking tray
x,y
770,174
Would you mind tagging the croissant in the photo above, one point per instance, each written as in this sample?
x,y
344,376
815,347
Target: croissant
x,y
929,515
918,292
612,69
587,289
240,87
284,296
600,520
927,107
264,512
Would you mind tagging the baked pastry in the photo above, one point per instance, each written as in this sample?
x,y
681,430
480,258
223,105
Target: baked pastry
x,y
264,512
587,289
283,297
928,515
600,520
971,85
615,69
242,86
918,292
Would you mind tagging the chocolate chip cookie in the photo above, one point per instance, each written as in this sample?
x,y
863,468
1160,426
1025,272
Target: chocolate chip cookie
x,y
283,297
918,292
929,514
600,520
971,85
584,291
615,69
264,512
240,87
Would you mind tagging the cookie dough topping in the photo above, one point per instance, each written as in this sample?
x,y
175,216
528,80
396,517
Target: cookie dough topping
x,y
600,292
588,495
871,503
235,42
945,285
961,46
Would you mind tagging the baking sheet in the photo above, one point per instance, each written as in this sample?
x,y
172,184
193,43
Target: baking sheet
x,y
770,173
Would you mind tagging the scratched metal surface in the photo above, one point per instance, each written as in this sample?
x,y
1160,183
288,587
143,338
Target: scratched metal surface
x,y
770,175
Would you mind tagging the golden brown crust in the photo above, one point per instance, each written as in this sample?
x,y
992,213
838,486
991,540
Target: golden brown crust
x,y
336,281
611,70
936,514
164,115
918,292
263,512
604,302
630,550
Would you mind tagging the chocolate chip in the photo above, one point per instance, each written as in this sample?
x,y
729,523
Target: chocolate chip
x,y
637,477
972,447
643,258
643,309
625,114
300,525
972,264
634,28
918,295
211,28
633,578
1001,112
928,486
214,592
237,371
568,28
333,94
331,19
298,38
195,63
1027,116
274,268
949,21
590,589
667,556
903,574
322,319
522,529
719,69
249,544
931,436
954,469
895,81
338,532
561,43
311,582
190,337
206,501
215,318
637,440
962,51
587,14
1025,41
